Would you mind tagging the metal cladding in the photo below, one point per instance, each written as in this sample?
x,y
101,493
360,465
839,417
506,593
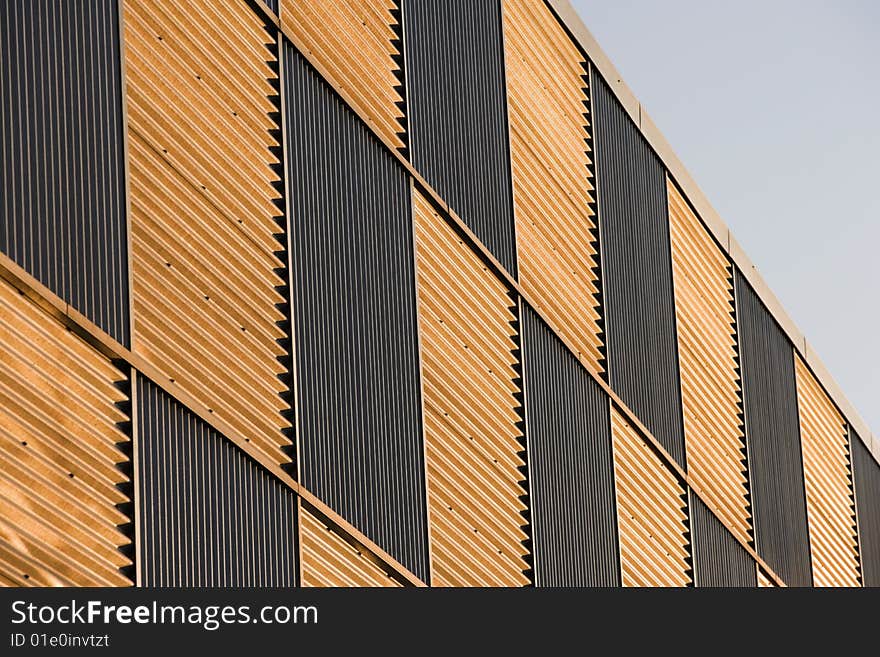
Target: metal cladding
x,y
557,231
457,109
328,560
574,527
831,510
709,360
358,44
652,513
639,305
773,438
354,306
866,475
719,559
62,211
208,243
64,447
474,444
209,515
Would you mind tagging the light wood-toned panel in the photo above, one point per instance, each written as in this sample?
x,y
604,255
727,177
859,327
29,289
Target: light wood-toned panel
x,y
357,43
328,560
828,480
707,356
651,513
58,451
205,233
557,232
471,414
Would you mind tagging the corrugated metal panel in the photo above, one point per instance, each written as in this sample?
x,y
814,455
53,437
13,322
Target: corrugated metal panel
x,y
550,143
639,304
209,515
357,42
652,513
473,436
719,560
773,438
709,361
64,440
764,582
328,560
62,211
208,250
831,511
571,470
360,427
866,474
272,4
458,113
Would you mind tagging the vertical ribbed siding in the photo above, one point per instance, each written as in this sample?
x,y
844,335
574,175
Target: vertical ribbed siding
x,y
866,475
831,509
209,515
458,113
574,528
473,416
328,560
360,427
64,455
773,438
62,210
272,4
557,232
208,242
719,560
709,361
639,304
357,42
652,513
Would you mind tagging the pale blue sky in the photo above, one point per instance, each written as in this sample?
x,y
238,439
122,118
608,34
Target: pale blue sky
x,y
774,108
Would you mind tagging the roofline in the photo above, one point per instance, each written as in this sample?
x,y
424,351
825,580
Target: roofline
x,y
710,217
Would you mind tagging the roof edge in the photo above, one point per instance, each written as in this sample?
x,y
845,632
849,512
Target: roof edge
x,y
710,217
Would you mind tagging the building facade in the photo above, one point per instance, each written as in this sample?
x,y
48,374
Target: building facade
x,y
387,293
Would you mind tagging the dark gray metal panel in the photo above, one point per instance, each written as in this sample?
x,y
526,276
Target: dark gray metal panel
x,y
637,267
273,5
866,473
457,106
719,559
209,515
773,439
571,466
355,327
63,174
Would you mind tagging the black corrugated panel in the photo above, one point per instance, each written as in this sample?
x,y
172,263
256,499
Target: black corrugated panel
x,y
273,5
571,467
209,515
637,267
773,439
866,473
355,329
719,559
63,177
456,99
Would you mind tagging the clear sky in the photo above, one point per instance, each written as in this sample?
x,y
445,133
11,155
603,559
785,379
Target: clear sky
x,y
774,108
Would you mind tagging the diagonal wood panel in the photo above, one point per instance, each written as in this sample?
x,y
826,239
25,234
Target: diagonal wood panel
x,y
328,560
828,480
473,435
709,364
651,512
550,146
207,250
60,446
